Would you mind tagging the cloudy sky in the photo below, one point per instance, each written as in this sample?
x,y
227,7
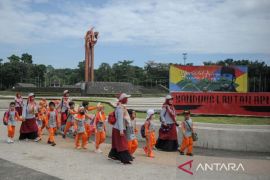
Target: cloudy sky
x,y
140,30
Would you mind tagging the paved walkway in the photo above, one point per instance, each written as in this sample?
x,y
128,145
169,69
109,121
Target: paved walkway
x,y
65,162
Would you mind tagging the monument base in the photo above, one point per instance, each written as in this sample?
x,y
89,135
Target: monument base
x,y
108,89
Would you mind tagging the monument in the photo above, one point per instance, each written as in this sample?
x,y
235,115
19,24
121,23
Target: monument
x,y
90,41
91,87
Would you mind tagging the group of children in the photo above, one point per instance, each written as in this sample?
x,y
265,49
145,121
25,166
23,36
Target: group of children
x,y
80,123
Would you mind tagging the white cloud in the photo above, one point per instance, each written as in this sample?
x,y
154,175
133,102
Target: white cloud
x,y
228,26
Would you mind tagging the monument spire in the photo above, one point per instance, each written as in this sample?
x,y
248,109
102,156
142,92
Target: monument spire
x,y
90,41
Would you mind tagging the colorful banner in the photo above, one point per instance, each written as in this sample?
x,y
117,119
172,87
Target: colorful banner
x,y
208,78
218,103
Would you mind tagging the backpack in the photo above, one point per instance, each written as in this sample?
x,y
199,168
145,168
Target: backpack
x,y
112,118
6,114
143,131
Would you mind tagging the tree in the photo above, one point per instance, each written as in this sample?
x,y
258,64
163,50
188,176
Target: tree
x,y
14,59
122,70
81,69
26,58
104,73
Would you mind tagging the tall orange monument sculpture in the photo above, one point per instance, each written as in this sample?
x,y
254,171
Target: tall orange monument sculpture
x,y
90,40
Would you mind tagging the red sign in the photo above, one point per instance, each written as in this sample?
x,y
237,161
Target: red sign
x,y
215,103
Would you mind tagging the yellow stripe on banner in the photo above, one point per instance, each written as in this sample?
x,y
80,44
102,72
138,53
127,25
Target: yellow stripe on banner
x,y
242,82
176,74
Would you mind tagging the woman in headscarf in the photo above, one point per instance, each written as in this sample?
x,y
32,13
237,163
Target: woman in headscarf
x,y
19,103
119,150
29,128
63,108
167,140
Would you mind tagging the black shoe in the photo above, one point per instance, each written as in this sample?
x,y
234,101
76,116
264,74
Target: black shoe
x,y
111,157
181,153
49,142
53,144
189,154
64,136
125,163
132,157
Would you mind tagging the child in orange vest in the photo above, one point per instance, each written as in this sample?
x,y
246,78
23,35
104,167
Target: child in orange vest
x,y
11,116
89,119
132,140
79,127
149,133
187,141
100,129
42,117
53,123
70,118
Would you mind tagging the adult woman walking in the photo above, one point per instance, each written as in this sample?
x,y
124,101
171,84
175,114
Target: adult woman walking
x,y
29,128
119,150
19,103
63,108
167,140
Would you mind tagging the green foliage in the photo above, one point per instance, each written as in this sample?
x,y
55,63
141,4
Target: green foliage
x,y
20,69
14,59
26,58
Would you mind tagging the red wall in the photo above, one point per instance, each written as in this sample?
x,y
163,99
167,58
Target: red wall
x,y
219,103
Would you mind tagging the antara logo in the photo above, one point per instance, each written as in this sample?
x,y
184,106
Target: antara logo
x,y
211,167
186,170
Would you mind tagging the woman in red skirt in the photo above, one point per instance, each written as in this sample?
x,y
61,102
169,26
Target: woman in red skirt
x,y
63,108
29,128
167,140
119,150
19,103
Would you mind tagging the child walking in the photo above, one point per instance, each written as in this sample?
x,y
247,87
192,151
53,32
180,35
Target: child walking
x,y
149,133
89,119
187,141
70,118
100,130
79,127
11,116
42,117
132,139
53,123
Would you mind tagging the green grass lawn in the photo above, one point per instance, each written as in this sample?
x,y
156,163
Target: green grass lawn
x,y
203,119
232,120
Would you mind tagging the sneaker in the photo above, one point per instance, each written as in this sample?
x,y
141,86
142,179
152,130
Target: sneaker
x,y
37,139
8,140
189,154
11,141
98,151
53,144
